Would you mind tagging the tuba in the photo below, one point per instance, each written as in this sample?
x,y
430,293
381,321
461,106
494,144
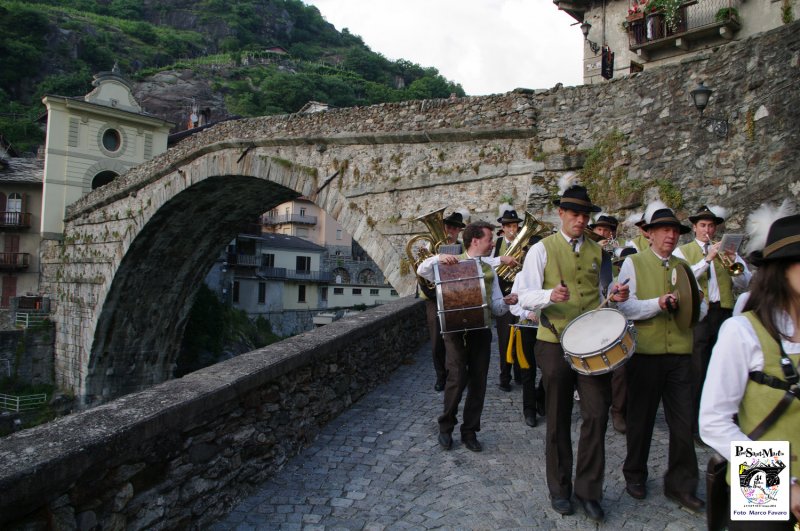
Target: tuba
x,y
519,247
416,253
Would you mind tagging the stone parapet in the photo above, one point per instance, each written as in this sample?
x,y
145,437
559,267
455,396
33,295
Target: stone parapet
x,y
183,452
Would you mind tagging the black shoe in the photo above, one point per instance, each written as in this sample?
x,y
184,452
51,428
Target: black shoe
x,y
505,387
686,499
562,506
530,419
636,490
439,386
540,408
445,440
472,444
592,509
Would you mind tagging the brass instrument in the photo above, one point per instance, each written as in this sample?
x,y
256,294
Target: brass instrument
x,y
519,247
734,268
590,234
436,236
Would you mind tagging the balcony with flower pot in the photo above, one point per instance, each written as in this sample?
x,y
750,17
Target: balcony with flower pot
x,y
655,25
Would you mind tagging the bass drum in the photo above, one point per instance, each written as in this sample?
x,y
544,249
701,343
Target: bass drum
x,y
598,341
461,296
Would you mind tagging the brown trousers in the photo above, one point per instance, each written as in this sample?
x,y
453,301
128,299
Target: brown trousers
x,y
595,391
437,342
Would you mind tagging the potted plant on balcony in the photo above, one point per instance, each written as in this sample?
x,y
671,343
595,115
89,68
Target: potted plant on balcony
x,y
727,14
636,11
667,17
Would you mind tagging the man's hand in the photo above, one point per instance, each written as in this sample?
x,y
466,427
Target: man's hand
x,y
668,302
511,299
532,317
509,261
622,292
713,251
559,294
448,259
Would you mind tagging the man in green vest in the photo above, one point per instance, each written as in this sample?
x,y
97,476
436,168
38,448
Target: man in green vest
x,y
510,223
468,352
561,277
661,365
716,282
453,224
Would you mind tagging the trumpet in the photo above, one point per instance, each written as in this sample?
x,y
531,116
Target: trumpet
x,y
733,267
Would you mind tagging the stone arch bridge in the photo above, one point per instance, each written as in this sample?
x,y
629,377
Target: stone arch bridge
x,y
135,251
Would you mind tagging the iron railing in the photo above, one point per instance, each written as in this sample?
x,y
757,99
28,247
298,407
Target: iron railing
x,y
29,319
20,220
15,260
22,403
289,218
694,16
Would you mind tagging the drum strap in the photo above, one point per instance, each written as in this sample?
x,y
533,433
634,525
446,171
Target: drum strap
x,y
515,340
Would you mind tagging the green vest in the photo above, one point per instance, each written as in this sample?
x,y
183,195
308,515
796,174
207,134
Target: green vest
x,y
759,400
488,276
659,334
580,272
641,243
694,254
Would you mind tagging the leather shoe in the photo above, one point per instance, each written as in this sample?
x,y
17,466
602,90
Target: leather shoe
x,y
562,505
618,421
505,387
530,419
593,509
439,386
445,440
636,490
472,444
686,499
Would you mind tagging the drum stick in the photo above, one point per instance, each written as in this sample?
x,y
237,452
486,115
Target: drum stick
x,y
613,292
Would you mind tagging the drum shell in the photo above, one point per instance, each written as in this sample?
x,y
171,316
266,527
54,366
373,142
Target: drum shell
x,y
609,354
461,296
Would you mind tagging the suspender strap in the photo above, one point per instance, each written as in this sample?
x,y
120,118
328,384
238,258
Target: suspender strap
x,y
762,428
771,381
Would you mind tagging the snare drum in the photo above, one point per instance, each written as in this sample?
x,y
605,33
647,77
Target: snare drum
x,y
461,296
598,341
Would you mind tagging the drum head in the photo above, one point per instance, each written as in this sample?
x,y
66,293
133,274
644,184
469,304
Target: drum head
x,y
593,331
688,296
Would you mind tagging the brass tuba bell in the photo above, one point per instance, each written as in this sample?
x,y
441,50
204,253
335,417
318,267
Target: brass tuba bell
x,y
519,247
436,237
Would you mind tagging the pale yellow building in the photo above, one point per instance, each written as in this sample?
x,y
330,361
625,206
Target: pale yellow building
x,y
90,141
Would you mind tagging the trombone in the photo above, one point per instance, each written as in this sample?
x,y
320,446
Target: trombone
x,y
734,268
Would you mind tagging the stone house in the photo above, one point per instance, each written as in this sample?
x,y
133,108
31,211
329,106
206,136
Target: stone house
x,y
644,34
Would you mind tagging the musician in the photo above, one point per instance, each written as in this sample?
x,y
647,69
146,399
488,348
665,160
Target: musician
x,y
717,284
468,352
619,383
453,224
661,365
509,221
752,346
532,395
561,277
605,226
642,240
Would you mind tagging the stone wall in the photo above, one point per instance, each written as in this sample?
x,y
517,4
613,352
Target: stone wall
x,y
185,451
28,354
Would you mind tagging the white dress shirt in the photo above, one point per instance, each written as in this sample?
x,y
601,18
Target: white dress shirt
x,y
498,306
529,280
699,269
736,354
637,309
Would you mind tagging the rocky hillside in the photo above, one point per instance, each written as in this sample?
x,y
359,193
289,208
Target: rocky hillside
x,y
224,55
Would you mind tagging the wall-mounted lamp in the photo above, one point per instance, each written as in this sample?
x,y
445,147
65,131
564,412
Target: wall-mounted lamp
x,y
585,27
700,96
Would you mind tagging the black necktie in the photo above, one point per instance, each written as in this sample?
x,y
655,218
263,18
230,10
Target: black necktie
x,y
705,253
574,244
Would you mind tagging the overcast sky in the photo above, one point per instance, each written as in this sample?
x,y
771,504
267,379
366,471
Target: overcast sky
x,y
489,46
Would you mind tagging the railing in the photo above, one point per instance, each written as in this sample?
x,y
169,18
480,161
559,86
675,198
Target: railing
x,y
695,17
281,273
289,218
10,261
276,273
20,220
29,319
22,403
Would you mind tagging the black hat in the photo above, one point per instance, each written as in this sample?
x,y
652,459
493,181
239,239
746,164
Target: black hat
x,y
621,252
665,217
509,216
576,198
605,221
641,221
455,219
783,241
705,213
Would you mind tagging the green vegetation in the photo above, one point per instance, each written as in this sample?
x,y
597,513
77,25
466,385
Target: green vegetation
x,y
41,415
727,13
55,46
215,327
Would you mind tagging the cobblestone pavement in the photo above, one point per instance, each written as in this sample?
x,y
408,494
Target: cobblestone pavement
x,y
379,466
